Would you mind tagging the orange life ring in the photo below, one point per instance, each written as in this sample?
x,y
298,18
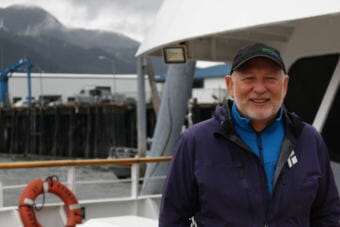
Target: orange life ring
x,y
39,186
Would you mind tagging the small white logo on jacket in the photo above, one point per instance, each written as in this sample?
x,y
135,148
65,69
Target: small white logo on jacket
x,y
292,160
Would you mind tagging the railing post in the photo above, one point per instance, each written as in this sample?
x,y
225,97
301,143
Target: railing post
x,y
1,195
134,180
71,175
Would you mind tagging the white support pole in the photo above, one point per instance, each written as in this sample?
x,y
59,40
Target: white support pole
x,y
141,108
71,177
134,180
328,99
1,195
170,120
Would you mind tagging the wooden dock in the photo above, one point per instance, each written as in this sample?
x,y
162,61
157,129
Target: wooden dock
x,y
86,131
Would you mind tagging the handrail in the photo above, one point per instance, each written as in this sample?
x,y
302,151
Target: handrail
x,y
39,164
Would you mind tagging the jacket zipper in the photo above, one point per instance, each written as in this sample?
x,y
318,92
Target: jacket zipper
x,y
266,192
259,146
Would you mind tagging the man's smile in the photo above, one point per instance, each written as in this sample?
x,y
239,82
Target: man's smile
x,y
259,101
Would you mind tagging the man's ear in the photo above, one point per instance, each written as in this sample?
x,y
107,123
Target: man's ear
x,y
229,84
285,84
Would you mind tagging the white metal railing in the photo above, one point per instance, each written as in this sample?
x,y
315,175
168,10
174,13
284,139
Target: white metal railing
x,y
71,174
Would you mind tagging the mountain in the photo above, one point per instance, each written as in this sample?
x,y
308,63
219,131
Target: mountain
x,y
55,48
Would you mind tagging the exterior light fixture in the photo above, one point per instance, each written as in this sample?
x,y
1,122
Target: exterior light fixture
x,y
174,55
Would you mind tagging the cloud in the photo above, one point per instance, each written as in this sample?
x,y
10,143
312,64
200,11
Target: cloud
x,y
130,17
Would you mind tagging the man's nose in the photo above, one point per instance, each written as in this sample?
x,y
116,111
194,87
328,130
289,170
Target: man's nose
x,y
259,87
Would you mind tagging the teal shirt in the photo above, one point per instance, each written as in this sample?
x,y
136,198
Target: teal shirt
x,y
265,144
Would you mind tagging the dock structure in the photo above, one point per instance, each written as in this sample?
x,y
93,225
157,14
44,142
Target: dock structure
x,y
76,131
67,131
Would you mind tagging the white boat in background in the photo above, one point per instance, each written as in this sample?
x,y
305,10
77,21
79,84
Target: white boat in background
x,y
214,30
123,170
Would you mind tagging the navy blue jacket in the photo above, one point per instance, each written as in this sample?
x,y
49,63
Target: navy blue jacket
x,y
217,179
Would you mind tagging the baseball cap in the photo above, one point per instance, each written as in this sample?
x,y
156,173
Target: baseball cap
x,y
256,50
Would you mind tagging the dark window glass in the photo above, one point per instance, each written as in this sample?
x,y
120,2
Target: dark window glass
x,y
309,78
198,83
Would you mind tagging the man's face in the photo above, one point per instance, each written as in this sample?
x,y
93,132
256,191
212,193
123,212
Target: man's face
x,y
258,88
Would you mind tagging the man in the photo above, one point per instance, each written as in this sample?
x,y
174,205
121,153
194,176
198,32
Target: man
x,y
253,163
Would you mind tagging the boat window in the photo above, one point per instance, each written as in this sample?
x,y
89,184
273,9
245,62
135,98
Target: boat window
x,y
309,78
198,83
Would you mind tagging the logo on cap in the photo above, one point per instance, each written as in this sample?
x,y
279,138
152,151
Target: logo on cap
x,y
269,51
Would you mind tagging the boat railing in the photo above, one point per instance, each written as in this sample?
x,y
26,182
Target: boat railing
x,y
71,173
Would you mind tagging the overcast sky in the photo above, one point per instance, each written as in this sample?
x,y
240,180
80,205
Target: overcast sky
x,y
130,17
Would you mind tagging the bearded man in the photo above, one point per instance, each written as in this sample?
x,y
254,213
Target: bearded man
x,y
254,163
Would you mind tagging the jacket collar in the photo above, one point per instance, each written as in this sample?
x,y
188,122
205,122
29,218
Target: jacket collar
x,y
226,128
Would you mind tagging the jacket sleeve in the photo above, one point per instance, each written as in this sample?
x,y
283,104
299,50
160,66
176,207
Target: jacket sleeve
x,y
326,206
179,200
